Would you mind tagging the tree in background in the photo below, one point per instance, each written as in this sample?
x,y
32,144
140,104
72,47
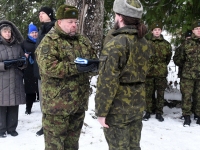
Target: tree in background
x,y
96,16
176,15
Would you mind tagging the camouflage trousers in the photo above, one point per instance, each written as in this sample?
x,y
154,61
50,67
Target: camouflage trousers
x,y
190,88
152,85
62,132
124,132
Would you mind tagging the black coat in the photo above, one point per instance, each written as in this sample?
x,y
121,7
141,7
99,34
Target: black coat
x,y
46,27
30,81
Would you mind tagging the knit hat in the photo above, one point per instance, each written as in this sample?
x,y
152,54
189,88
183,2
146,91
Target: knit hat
x,y
156,25
32,28
131,8
196,24
48,11
67,12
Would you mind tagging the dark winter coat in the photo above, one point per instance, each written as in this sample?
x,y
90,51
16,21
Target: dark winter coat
x,y
11,80
30,81
46,27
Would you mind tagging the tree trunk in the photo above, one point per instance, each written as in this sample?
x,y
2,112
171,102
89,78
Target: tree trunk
x,y
91,16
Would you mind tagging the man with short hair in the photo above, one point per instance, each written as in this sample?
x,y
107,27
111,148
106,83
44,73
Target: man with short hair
x,y
156,77
190,82
46,17
120,97
65,84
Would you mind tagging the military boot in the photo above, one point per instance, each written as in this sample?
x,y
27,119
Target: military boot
x,y
147,116
187,121
198,121
2,134
195,116
159,117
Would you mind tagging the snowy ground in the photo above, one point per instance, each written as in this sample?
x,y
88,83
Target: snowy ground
x,y
167,135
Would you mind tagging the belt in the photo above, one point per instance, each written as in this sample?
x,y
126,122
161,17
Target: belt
x,y
130,84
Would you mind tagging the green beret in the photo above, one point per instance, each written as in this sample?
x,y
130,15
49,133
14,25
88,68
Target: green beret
x,y
67,12
196,24
156,25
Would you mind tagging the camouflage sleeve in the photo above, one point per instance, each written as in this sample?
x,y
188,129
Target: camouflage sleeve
x,y
178,57
108,80
169,55
49,61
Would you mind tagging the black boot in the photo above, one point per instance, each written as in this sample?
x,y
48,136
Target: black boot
x,y
195,116
28,112
198,121
2,135
147,116
159,117
187,121
13,133
40,132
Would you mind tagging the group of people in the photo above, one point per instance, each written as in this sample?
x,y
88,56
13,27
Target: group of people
x,y
20,84
130,69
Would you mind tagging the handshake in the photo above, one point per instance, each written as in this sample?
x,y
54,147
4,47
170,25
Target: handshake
x,y
87,65
14,62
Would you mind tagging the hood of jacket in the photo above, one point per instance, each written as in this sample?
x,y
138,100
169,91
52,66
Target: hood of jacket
x,y
15,31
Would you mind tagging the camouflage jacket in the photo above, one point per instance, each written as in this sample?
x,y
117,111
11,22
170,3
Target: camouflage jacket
x,y
120,85
188,57
64,89
162,53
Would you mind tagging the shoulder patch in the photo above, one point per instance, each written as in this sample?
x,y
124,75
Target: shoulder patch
x,y
45,49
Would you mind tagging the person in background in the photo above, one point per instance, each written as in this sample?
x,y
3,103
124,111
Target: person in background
x,y
156,77
187,36
46,17
12,92
65,85
120,96
188,57
30,82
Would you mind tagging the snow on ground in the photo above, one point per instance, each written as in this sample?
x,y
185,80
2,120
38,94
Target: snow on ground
x,y
167,135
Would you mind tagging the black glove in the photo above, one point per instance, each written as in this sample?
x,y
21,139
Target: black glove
x,y
87,67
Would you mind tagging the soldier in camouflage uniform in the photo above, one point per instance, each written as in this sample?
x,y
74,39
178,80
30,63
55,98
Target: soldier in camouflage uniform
x,y
156,78
65,89
187,36
120,97
190,82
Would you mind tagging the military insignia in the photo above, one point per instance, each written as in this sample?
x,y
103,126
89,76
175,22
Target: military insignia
x,y
45,49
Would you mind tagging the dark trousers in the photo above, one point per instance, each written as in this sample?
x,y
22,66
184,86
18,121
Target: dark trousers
x,y
30,98
8,118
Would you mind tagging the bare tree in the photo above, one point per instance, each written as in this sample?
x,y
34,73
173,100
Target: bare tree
x,y
91,17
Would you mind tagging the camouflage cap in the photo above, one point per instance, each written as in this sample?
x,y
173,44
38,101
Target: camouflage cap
x,y
131,8
67,12
156,25
196,24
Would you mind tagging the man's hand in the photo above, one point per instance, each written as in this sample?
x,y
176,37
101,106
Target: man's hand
x,y
102,121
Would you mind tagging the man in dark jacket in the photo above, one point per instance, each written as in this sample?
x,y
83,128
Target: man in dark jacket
x,y
48,21
120,97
